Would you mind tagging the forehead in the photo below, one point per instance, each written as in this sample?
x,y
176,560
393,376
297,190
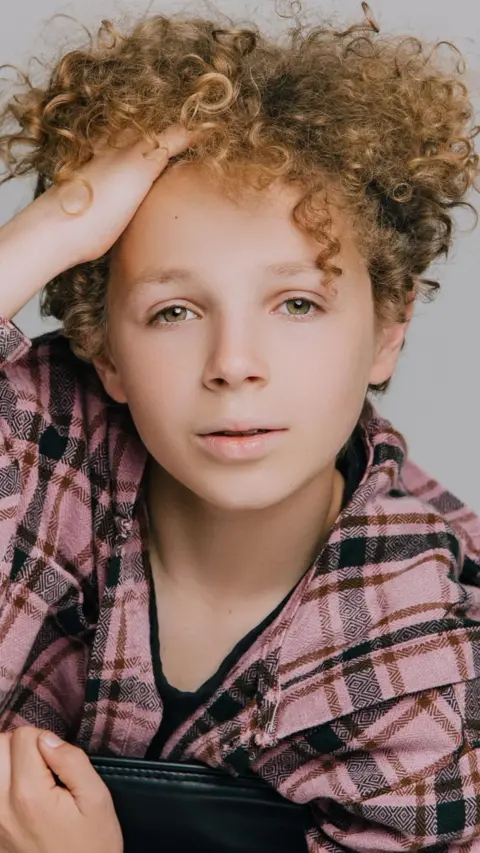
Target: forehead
x,y
186,219
185,190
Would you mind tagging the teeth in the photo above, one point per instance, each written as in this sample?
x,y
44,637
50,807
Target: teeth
x,y
250,432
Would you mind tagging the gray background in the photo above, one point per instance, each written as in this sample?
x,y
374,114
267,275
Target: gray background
x,y
434,398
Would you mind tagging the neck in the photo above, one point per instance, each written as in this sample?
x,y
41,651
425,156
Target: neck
x,y
231,555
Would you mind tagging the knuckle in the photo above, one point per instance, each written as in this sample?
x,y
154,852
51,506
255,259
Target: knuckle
x,y
78,761
78,756
24,734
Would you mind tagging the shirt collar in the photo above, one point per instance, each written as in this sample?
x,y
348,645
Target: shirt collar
x,y
127,458
386,453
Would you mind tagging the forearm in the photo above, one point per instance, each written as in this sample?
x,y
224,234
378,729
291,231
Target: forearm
x,y
33,250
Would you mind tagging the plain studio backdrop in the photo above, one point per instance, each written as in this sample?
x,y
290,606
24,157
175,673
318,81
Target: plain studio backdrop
x,y
434,398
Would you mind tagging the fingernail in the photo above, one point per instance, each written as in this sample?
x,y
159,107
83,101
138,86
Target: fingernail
x,y
49,739
156,153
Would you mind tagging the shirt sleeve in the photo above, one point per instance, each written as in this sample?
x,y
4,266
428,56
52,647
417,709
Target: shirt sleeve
x,y
402,776
13,345
14,388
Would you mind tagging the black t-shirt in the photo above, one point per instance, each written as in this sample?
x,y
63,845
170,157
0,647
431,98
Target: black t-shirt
x,y
178,705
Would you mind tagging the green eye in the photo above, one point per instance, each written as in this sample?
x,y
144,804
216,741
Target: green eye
x,y
176,314
172,311
169,316
298,303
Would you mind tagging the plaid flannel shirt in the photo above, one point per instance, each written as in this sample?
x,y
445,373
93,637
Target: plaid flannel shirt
x,y
361,699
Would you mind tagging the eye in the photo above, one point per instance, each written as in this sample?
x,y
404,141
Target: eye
x,y
175,314
302,306
161,318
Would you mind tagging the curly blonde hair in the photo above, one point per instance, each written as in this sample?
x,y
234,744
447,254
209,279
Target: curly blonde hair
x,y
381,119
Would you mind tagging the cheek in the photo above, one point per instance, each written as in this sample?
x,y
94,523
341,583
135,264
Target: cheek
x,y
329,395
333,362
159,399
148,372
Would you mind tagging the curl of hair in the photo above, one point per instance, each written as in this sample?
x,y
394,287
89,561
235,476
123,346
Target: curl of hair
x,y
381,119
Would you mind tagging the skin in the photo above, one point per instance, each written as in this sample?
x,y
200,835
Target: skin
x,y
230,539
39,816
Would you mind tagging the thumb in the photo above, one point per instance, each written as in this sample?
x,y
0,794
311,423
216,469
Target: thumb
x,y
74,769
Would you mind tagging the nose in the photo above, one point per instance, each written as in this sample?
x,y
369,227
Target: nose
x,y
236,354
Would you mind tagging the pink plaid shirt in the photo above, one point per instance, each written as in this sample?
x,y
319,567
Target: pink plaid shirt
x,y
362,698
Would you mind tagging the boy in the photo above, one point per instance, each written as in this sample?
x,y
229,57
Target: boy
x,y
212,547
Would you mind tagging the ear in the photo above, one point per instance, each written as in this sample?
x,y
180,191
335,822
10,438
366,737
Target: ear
x,y
109,378
389,343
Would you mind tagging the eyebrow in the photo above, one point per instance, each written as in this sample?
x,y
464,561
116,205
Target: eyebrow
x,y
172,275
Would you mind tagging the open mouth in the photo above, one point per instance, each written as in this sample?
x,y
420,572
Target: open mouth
x,y
240,445
239,434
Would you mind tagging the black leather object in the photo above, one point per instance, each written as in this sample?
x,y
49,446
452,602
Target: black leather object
x,y
170,808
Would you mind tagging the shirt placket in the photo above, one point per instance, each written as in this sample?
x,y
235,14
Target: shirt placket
x,y
122,709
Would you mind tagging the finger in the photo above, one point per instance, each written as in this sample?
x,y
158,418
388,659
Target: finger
x,y
74,769
174,140
29,771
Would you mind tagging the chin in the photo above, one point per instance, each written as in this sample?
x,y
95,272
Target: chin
x,y
250,499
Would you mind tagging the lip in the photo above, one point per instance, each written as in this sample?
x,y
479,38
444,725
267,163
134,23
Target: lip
x,y
240,447
237,426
